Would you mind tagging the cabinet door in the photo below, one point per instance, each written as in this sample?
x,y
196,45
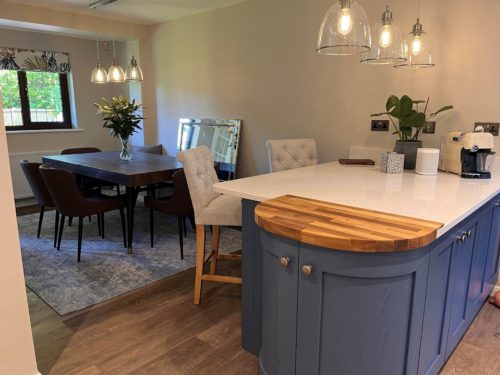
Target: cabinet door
x,y
459,287
476,294
279,308
360,313
433,344
493,256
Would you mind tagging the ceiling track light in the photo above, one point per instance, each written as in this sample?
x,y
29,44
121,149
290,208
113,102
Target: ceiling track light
x,y
100,3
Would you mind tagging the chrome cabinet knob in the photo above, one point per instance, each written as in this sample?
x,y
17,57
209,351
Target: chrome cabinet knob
x,y
284,261
497,204
462,237
307,270
468,233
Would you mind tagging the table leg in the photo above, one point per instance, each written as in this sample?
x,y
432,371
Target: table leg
x,y
131,193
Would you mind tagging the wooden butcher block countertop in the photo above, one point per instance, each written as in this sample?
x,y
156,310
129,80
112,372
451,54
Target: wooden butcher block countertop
x,y
342,227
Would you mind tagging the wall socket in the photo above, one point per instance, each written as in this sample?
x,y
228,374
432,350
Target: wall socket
x,y
489,127
380,125
430,127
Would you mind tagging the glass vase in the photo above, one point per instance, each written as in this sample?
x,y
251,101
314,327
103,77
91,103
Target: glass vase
x,y
126,152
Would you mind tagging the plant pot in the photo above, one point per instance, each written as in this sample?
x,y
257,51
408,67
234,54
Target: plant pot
x,y
126,152
409,149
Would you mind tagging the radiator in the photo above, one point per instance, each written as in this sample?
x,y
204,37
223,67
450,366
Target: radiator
x,y
19,182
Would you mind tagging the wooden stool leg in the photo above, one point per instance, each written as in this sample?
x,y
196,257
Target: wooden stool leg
x,y
215,248
200,255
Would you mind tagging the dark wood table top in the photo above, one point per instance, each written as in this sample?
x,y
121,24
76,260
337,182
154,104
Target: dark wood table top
x,y
143,169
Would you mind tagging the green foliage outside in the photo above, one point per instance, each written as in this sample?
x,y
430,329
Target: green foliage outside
x,y
44,90
10,89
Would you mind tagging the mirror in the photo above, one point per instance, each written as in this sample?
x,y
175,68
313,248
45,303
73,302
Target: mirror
x,y
220,136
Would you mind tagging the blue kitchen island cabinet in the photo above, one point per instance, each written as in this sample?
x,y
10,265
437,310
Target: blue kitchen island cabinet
x,y
330,311
462,273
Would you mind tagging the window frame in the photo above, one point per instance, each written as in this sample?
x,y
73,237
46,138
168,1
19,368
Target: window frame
x,y
25,106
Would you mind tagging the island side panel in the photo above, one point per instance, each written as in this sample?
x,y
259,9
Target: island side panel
x,y
251,303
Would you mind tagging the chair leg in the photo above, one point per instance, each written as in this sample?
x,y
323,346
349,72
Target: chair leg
x,y
118,192
102,225
99,224
80,230
151,225
184,226
191,220
61,227
40,220
70,221
215,248
181,239
90,218
124,231
56,227
200,255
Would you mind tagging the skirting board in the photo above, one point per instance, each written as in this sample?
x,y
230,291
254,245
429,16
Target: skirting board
x,y
495,290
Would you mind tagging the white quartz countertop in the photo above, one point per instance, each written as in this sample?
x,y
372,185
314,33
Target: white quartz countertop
x,y
445,198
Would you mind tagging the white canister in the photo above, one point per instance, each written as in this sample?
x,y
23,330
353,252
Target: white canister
x,y
427,161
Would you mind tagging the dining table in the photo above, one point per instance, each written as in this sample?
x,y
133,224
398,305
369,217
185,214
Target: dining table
x,y
142,171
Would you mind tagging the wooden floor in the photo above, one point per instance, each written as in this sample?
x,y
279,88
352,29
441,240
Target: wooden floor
x,y
158,330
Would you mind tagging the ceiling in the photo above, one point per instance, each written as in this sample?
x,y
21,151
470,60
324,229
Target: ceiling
x,y
145,12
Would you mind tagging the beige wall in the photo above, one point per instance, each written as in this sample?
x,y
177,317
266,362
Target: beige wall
x,y
17,354
83,59
257,61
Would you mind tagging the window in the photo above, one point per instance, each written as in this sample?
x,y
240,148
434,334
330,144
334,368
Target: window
x,y
35,100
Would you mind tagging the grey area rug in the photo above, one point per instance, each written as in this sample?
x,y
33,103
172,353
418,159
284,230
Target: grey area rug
x,y
106,270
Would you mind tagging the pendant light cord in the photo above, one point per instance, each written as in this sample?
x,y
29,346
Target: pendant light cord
x,y
97,47
114,49
418,12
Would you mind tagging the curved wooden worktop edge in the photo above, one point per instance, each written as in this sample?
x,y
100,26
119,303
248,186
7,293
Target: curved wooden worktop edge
x,y
343,227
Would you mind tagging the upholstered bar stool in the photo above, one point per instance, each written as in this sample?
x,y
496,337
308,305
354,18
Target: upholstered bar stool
x,y
287,154
210,208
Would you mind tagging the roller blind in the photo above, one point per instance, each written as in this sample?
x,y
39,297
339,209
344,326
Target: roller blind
x,y
34,61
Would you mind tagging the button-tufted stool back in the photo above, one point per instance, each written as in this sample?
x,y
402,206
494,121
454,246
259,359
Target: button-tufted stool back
x,y
200,175
287,154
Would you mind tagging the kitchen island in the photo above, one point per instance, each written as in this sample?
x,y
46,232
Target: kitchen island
x,y
367,312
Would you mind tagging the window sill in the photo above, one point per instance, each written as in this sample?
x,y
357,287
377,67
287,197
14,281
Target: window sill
x,y
44,131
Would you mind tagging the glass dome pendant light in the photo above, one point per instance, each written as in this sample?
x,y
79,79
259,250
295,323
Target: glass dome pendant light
x,y
134,71
99,74
116,73
419,48
388,45
345,30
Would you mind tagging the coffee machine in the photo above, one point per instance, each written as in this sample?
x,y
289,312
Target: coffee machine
x,y
469,155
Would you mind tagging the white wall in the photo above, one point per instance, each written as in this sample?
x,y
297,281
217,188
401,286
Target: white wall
x,y
83,60
17,354
256,61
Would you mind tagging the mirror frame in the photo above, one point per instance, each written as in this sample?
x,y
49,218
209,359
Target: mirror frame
x,y
228,169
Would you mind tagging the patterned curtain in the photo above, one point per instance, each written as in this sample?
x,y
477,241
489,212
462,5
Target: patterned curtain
x,y
30,60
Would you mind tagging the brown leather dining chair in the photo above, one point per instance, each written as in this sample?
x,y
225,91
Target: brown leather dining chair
x,y
70,202
178,204
88,183
41,193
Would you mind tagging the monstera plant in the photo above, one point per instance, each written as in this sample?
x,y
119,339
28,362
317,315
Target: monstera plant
x,y
408,121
